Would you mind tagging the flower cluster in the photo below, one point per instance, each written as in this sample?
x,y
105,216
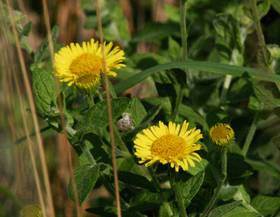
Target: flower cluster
x,y
176,144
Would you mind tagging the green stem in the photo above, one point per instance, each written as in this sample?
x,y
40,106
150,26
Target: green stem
x,y
22,139
183,26
220,184
155,179
90,99
262,52
178,195
226,86
178,102
184,40
250,135
120,142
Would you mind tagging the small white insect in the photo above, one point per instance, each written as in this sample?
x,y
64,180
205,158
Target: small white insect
x,y
125,123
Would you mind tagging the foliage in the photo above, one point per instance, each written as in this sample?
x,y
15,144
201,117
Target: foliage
x,y
221,81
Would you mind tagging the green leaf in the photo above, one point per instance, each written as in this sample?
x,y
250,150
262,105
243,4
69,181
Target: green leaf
x,y
85,177
146,200
174,49
238,193
136,110
172,12
202,66
199,167
43,52
117,29
166,210
44,90
238,169
129,164
97,117
263,7
164,102
240,91
234,209
24,37
156,31
135,180
276,5
191,187
262,165
268,94
220,210
266,205
228,39
254,104
192,116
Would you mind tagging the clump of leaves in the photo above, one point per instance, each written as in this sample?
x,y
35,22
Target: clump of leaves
x,y
214,83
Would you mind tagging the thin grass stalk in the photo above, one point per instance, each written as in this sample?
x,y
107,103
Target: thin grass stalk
x,y
10,105
74,184
33,110
31,150
12,77
60,108
48,27
110,116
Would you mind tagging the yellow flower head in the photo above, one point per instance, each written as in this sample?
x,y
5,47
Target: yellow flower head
x,y
221,134
174,144
82,65
31,211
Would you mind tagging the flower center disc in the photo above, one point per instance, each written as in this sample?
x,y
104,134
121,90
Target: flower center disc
x,y
87,67
168,147
221,132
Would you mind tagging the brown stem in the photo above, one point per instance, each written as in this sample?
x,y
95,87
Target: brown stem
x,y
110,116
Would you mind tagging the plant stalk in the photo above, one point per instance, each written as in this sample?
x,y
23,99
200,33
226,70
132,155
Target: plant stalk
x,y
178,195
183,26
184,57
250,135
220,184
263,57
110,112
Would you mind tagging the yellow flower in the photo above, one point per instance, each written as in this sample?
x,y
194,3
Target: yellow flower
x,y
174,144
31,211
81,65
221,134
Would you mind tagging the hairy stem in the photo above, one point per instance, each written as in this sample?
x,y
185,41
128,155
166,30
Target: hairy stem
x,y
184,41
178,195
220,184
262,52
250,135
178,102
183,26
